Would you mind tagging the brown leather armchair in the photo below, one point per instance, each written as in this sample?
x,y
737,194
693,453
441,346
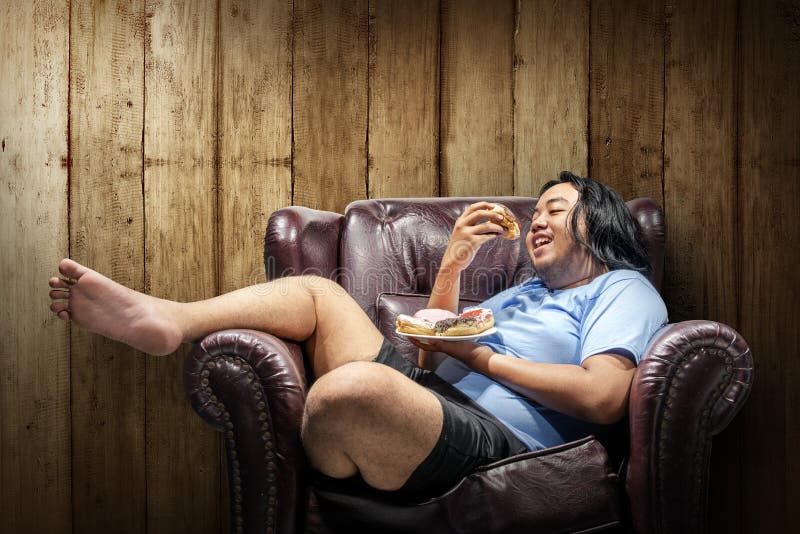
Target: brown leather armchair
x,y
651,475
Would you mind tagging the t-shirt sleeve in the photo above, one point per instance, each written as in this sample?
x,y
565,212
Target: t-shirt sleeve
x,y
622,319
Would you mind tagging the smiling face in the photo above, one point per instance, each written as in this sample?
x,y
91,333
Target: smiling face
x,y
558,259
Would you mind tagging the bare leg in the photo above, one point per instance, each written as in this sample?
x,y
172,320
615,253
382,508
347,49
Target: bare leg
x,y
369,418
306,309
362,416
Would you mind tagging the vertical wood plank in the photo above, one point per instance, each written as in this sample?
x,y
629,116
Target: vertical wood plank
x,y
626,97
255,132
551,92
769,197
35,484
106,233
404,99
700,193
330,102
477,98
183,471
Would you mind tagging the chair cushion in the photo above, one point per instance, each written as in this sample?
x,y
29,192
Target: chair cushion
x,y
569,488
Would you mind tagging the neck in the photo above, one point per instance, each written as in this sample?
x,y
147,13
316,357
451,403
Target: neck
x,y
594,272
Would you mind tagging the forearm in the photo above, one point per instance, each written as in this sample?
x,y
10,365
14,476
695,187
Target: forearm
x,y
476,226
446,288
445,296
569,389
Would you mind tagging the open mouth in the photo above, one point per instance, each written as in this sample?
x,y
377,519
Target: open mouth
x,y
540,242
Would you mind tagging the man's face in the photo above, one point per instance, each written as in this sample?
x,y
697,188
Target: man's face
x,y
558,259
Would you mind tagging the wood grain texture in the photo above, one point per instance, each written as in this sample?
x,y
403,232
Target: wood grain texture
x,y
700,155
365,123
770,252
477,49
35,483
254,129
106,211
255,132
330,102
183,470
626,98
700,192
551,92
404,99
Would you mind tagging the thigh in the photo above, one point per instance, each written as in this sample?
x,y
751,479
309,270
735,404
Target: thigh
x,y
343,333
385,422
475,431
470,436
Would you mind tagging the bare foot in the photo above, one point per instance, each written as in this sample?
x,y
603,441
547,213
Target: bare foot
x,y
105,307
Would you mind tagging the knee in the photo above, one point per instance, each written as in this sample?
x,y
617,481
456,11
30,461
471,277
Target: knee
x,y
343,397
349,387
316,286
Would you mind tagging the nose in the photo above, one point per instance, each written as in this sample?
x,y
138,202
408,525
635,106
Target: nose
x,y
538,222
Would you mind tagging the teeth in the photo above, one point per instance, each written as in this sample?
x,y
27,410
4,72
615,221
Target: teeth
x,y
541,241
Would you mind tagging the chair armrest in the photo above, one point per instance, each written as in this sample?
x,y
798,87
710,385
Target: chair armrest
x,y
251,386
302,241
695,377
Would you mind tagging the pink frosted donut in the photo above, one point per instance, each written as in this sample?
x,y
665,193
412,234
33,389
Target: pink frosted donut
x,y
434,314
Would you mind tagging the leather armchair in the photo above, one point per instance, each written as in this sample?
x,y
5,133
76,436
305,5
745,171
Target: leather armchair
x,y
652,475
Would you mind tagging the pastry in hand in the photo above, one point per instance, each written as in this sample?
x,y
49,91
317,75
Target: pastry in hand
x,y
509,222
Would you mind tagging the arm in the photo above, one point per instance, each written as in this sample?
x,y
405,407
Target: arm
x,y
471,230
596,391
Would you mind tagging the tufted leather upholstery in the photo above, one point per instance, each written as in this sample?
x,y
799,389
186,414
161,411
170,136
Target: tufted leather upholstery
x,y
386,253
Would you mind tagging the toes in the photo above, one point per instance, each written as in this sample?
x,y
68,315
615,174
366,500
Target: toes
x,y
63,315
58,307
59,283
71,269
58,294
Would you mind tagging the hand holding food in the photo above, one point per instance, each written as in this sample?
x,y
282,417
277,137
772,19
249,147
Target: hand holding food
x,y
480,222
509,222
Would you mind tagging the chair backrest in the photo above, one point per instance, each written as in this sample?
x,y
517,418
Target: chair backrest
x,y
390,251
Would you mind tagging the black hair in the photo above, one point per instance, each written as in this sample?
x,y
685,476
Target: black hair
x,y
613,237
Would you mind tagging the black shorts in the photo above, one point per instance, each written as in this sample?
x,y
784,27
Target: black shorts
x,y
470,436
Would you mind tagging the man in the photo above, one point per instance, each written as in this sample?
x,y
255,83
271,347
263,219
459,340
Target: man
x,y
560,363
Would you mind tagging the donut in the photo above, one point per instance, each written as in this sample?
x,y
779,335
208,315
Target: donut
x,y
468,323
434,314
415,325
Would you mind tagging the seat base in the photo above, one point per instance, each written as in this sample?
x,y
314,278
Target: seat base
x,y
574,481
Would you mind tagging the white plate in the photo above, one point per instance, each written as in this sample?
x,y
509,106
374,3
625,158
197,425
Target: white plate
x,y
489,332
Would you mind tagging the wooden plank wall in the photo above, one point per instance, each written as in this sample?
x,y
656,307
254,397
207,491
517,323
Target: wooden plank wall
x,y
179,188
701,59
769,208
106,225
151,139
35,388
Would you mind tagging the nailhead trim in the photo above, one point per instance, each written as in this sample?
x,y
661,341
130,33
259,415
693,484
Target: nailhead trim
x,y
685,360
237,363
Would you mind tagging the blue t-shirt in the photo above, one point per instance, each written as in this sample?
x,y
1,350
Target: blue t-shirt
x,y
617,312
